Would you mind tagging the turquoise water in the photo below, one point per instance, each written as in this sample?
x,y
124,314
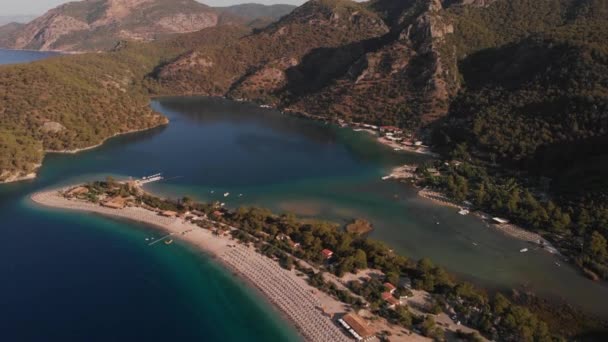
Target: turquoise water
x,y
73,274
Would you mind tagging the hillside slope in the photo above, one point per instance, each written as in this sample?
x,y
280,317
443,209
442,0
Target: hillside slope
x,y
77,101
331,57
254,11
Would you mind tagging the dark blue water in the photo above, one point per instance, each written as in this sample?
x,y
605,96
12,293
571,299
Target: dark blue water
x,y
20,56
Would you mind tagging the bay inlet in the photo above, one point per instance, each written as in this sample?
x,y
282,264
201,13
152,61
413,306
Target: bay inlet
x,y
86,271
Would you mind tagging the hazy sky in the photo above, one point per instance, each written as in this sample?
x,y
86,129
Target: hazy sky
x,y
36,7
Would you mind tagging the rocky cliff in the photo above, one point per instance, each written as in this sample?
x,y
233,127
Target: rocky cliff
x,y
333,57
94,25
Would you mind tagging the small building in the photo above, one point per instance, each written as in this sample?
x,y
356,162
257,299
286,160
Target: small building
x,y
327,254
386,295
114,203
390,288
81,190
499,220
391,129
357,327
418,143
391,302
168,213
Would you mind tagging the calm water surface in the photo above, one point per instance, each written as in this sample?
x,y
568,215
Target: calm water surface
x,y
20,56
72,274
76,277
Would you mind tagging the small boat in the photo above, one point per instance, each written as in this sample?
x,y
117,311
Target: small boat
x,y
523,250
240,195
464,212
397,149
386,177
227,194
557,264
474,243
168,242
212,191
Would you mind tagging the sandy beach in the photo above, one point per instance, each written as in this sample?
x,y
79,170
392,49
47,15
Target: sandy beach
x,y
307,308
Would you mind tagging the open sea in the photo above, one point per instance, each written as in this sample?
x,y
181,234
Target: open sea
x,y
75,276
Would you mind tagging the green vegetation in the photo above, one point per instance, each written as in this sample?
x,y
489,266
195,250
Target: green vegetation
x,y
77,101
529,120
276,236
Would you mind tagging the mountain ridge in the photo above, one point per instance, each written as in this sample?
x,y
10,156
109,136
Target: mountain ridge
x,y
97,25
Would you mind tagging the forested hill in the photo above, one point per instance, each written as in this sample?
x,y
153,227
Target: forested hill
x,y
531,117
77,101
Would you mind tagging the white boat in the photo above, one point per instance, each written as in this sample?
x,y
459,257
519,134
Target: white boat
x,y
523,250
227,194
398,149
240,195
386,177
464,212
212,191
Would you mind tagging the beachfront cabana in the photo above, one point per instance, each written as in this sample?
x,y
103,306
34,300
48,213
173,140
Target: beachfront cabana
x,y
81,190
115,203
168,213
357,327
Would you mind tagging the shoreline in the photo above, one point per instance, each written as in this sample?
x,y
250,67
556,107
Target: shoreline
x,y
18,177
278,286
509,229
88,148
58,52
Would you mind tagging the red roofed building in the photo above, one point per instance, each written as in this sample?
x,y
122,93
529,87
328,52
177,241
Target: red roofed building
x,y
390,129
327,254
390,288
391,301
